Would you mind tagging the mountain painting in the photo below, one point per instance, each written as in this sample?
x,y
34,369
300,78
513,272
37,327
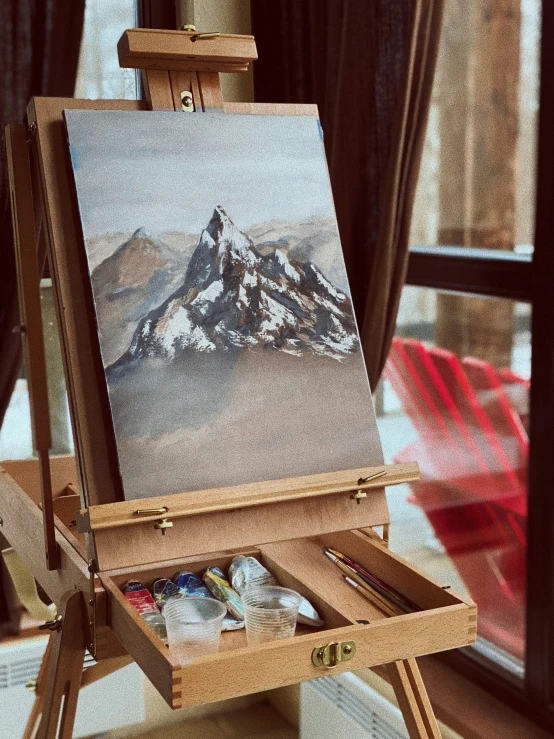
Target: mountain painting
x,y
224,317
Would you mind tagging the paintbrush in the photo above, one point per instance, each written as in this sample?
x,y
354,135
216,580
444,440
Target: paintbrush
x,y
380,599
372,597
374,582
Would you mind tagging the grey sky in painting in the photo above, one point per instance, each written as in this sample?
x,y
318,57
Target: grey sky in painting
x,y
167,171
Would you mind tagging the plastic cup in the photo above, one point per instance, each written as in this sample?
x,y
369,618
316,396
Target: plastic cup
x,y
270,612
193,627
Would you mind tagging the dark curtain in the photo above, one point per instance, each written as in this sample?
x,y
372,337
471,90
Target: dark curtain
x,y
369,65
39,49
157,14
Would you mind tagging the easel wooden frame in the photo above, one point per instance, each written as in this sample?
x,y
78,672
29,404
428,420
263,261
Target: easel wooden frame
x,y
85,567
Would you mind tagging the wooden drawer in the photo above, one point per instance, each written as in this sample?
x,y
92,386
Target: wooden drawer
x,y
445,621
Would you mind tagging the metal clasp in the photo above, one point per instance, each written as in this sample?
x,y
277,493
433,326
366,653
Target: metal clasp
x,y
54,625
163,525
333,654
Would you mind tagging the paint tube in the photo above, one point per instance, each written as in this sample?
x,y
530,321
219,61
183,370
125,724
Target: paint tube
x,y
218,586
247,571
163,591
138,594
190,584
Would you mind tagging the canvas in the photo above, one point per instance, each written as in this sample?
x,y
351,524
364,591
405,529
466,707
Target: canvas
x,y
224,318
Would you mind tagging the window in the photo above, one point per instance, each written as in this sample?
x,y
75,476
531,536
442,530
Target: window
x,y
461,393
99,74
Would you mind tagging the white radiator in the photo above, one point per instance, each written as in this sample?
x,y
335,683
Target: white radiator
x,y
344,707
112,702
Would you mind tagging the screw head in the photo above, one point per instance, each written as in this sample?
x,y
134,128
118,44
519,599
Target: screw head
x,y
347,649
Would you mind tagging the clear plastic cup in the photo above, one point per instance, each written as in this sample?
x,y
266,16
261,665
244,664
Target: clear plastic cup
x,y
270,612
193,627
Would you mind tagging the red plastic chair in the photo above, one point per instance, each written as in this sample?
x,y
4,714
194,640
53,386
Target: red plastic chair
x,y
472,449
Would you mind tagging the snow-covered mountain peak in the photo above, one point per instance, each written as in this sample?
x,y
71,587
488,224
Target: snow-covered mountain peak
x,y
233,298
281,264
229,240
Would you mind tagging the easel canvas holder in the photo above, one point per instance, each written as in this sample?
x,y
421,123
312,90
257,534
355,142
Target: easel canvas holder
x,y
93,550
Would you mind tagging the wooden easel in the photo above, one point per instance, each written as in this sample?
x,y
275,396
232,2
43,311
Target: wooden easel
x,y
180,73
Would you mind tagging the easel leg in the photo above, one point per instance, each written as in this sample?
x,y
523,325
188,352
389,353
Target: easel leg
x,y
413,700
65,671
36,711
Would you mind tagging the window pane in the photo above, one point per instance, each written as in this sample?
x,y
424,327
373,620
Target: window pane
x,y
477,181
455,399
99,74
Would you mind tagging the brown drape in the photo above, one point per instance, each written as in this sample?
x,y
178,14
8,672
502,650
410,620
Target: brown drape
x,y
39,50
369,65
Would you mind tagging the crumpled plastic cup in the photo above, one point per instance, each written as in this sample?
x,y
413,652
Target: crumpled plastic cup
x,y
270,612
193,627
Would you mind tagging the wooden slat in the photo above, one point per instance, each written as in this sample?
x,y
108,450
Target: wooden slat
x,y
30,313
64,670
422,698
28,278
91,418
196,502
210,91
38,704
185,66
157,89
413,700
234,529
142,48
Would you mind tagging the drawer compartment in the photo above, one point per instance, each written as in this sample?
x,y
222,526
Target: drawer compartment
x,y
445,621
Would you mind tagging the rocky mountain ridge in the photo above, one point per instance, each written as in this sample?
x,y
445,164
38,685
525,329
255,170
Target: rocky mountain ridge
x,y
235,297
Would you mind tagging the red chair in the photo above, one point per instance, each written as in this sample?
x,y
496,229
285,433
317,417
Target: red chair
x,y
472,449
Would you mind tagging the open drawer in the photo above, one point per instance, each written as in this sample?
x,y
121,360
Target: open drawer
x,y
445,620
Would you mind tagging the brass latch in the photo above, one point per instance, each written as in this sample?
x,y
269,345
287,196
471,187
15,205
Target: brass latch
x,y
163,525
333,654
360,494
151,511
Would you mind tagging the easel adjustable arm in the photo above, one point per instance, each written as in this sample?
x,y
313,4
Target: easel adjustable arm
x,y
180,69
28,278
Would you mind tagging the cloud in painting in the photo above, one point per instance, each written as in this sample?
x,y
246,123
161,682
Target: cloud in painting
x,y
172,178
